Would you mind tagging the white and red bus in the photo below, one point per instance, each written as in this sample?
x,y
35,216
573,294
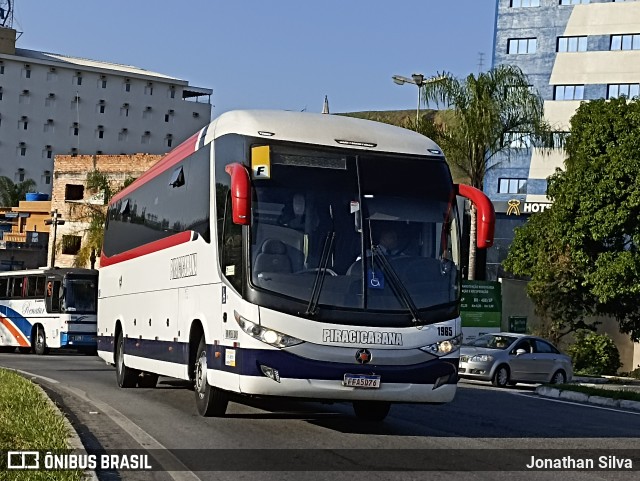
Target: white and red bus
x,y
252,259
48,308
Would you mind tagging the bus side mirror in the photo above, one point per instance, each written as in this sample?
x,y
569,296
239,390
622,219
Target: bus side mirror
x,y
486,218
240,193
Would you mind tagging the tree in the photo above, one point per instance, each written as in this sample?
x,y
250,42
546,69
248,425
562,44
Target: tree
x,y
594,220
11,193
488,113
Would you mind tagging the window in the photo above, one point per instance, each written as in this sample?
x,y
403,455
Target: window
x,y
20,175
571,44
50,101
100,132
146,137
168,117
71,244
518,140
127,85
525,3
23,123
74,152
24,98
47,152
168,140
75,102
625,42
52,75
512,186
573,2
122,135
521,45
77,80
46,177
618,90
27,71
1,68
0,93
73,192
147,113
102,82
148,90
75,129
48,125
124,110
22,149
172,92
568,92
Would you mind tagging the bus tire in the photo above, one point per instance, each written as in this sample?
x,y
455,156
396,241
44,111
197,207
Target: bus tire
x,y
148,380
371,410
210,400
125,376
40,344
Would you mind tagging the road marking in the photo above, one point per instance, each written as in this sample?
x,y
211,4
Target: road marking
x,y
36,376
136,432
562,401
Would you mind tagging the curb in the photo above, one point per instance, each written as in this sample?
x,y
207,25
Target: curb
x,y
73,440
566,395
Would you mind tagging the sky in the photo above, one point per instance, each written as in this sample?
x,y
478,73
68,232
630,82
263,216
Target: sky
x,y
278,54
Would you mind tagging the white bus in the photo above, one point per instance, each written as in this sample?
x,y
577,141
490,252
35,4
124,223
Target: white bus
x,y
48,308
250,260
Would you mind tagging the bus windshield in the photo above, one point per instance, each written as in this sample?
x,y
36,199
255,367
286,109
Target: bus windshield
x,y
329,210
80,295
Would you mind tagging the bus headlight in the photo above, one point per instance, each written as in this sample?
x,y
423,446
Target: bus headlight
x,y
442,348
268,336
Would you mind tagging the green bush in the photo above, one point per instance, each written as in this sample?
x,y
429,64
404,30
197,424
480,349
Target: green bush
x,y
595,354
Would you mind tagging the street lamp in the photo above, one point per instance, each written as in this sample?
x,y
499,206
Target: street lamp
x,y
55,221
418,80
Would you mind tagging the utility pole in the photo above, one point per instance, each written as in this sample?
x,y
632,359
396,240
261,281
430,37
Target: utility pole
x,y
55,221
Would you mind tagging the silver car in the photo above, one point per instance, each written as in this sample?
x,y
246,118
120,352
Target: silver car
x,y
505,359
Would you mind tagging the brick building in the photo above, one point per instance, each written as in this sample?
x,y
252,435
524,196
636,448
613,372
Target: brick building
x,y
72,199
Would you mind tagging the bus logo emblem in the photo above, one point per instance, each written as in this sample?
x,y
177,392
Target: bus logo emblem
x,y
363,356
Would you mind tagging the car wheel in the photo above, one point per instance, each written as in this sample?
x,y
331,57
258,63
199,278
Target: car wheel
x,y
559,377
371,410
501,376
210,400
40,346
125,376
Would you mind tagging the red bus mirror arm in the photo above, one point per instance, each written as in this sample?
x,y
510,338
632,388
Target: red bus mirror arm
x,y
240,193
486,217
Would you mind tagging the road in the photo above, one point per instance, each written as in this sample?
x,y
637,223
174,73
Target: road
x,y
501,422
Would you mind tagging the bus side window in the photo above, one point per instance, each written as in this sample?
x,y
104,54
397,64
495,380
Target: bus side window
x,y
231,248
4,283
53,296
15,287
40,282
31,286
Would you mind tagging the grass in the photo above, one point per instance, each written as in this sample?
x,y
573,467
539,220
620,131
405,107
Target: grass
x,y
594,391
29,422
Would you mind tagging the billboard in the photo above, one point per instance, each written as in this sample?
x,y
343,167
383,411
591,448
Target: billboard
x,y
481,308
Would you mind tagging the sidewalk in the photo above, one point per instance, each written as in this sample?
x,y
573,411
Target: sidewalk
x,y
607,383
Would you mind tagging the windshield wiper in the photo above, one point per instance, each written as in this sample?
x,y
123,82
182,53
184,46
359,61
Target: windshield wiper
x,y
312,308
396,284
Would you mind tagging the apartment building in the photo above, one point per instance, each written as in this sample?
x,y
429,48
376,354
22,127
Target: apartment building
x,y
571,50
53,104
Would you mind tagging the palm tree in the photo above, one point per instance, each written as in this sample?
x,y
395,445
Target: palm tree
x,y
486,115
11,193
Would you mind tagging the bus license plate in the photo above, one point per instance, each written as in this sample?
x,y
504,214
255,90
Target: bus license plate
x,y
367,381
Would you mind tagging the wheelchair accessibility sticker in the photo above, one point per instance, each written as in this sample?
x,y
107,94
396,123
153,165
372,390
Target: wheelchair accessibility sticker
x,y
375,279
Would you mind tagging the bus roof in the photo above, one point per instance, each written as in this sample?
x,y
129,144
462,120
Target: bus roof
x,y
321,129
48,270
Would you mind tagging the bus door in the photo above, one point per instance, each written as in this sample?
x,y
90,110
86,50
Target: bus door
x,y
53,294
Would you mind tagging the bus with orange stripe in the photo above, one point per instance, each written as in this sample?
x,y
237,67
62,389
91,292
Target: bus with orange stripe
x,y
41,309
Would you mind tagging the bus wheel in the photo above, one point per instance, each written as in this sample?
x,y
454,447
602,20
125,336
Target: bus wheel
x,y
40,346
371,410
148,379
211,401
125,376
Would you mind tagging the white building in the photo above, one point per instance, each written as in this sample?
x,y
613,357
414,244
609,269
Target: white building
x,y
54,104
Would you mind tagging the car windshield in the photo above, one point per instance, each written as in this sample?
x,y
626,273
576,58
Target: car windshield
x,y
81,295
330,209
492,341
